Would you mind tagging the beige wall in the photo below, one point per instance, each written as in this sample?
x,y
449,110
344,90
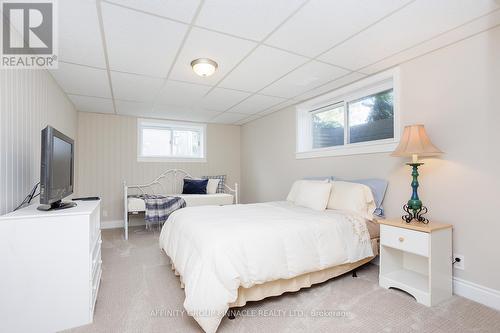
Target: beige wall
x,y
29,101
107,152
455,92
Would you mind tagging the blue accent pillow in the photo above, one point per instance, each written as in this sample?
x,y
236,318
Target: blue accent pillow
x,y
195,186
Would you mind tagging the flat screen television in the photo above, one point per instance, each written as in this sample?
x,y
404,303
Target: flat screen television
x,y
57,169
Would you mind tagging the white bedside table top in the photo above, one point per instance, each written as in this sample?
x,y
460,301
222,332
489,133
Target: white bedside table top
x,y
417,226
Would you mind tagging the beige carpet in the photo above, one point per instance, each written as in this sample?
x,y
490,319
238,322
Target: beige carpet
x,y
139,293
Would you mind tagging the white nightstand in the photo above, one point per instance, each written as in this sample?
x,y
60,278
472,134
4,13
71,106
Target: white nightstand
x,y
416,258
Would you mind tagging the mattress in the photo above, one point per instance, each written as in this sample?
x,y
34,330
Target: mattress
x,y
373,229
217,199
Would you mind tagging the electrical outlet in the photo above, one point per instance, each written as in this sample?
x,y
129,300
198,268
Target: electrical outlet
x,y
104,213
460,263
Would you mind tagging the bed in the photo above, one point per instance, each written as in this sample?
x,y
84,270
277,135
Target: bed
x,y
228,255
170,183
136,204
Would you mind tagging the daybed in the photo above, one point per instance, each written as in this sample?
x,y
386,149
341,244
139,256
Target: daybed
x,y
169,183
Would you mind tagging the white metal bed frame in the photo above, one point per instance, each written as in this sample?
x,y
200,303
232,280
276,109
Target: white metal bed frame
x,y
176,175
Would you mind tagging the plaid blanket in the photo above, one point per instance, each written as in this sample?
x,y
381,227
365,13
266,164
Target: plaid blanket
x,y
159,207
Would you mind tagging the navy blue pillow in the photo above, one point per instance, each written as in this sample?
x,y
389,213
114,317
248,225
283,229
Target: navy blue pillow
x,y
195,186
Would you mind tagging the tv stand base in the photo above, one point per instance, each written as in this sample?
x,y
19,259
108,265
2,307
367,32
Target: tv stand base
x,y
57,205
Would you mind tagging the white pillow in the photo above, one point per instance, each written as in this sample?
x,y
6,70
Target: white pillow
x,y
292,195
212,186
313,195
352,197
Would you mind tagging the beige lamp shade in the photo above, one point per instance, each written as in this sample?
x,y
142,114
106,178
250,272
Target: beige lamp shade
x,y
415,142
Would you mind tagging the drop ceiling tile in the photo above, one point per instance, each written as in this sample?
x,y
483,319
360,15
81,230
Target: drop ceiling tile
x,y
419,21
225,50
82,80
252,19
481,24
304,78
256,104
229,118
178,10
278,107
92,104
184,114
137,109
261,68
140,43
221,99
172,112
247,120
330,86
79,34
321,24
133,87
181,93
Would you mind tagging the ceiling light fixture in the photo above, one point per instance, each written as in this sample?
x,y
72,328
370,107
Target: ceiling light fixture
x,y
204,66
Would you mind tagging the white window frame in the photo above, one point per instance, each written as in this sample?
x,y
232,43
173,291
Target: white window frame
x,y
362,88
172,125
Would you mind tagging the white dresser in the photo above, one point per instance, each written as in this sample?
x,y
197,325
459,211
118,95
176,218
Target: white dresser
x,y
50,268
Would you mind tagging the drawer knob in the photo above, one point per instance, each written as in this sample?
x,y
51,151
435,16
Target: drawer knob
x,y
401,239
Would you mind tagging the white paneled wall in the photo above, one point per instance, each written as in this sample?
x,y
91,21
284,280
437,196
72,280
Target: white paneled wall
x,y
29,100
107,155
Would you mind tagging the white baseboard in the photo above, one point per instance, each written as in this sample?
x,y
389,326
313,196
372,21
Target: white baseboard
x,y
113,224
475,292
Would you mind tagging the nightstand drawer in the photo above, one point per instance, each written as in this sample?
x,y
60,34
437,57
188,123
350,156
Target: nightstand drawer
x,y
404,239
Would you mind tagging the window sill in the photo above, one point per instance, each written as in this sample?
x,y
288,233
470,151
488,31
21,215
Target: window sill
x,y
353,149
171,159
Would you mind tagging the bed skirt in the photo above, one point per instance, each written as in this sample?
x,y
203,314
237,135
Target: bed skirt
x,y
279,287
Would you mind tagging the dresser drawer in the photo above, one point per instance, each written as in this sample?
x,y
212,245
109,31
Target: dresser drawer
x,y
96,259
95,256
96,281
95,225
96,244
404,239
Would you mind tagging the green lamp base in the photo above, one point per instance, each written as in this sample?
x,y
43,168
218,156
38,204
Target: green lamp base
x,y
414,208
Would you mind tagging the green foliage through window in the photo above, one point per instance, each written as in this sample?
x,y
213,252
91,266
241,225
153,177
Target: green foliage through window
x,y
369,118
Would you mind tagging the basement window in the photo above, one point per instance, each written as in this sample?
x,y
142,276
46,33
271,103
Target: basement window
x,y
167,141
357,119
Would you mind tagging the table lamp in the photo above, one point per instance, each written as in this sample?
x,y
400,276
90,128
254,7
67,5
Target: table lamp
x,y
415,143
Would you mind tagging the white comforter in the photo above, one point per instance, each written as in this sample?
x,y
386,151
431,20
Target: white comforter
x,y
216,249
